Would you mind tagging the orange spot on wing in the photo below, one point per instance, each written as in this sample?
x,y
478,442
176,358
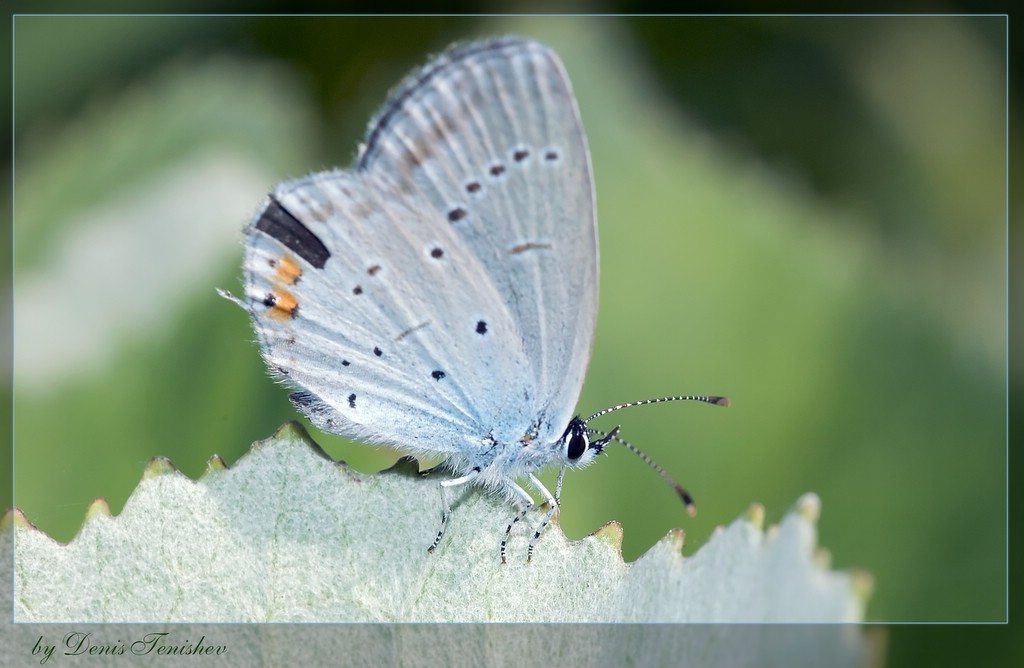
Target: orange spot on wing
x,y
288,271
285,305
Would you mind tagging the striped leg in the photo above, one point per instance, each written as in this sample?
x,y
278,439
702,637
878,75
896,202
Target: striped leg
x,y
527,501
553,507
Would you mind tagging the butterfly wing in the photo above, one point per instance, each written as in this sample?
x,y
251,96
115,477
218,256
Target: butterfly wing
x,y
490,134
373,310
441,296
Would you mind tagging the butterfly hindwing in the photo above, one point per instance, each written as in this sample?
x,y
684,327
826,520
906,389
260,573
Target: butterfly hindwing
x,y
372,337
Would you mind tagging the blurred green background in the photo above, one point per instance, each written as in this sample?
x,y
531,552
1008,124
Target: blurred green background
x,y
805,214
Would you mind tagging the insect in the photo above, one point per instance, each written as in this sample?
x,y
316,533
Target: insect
x,y
440,296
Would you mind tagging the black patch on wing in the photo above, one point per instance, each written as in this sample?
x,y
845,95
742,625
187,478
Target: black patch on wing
x,y
279,223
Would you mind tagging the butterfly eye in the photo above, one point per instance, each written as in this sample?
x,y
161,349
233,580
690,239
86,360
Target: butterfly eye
x,y
577,445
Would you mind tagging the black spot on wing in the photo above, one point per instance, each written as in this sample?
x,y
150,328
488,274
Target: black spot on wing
x,y
279,223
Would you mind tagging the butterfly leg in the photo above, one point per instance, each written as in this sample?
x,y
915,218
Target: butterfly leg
x,y
553,507
446,510
558,487
527,505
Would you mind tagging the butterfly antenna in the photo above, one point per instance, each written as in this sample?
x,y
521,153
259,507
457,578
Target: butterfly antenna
x,y
691,507
717,401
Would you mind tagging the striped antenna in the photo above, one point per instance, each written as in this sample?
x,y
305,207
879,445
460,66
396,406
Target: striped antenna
x,y
691,507
717,401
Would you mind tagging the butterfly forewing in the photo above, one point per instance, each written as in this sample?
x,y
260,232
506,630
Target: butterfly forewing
x,y
490,134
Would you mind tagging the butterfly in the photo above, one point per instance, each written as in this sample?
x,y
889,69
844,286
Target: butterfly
x,y
440,296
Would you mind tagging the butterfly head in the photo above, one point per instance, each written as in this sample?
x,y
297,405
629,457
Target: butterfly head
x,y
577,447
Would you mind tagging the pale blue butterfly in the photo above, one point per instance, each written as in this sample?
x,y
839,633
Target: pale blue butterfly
x,y
441,296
